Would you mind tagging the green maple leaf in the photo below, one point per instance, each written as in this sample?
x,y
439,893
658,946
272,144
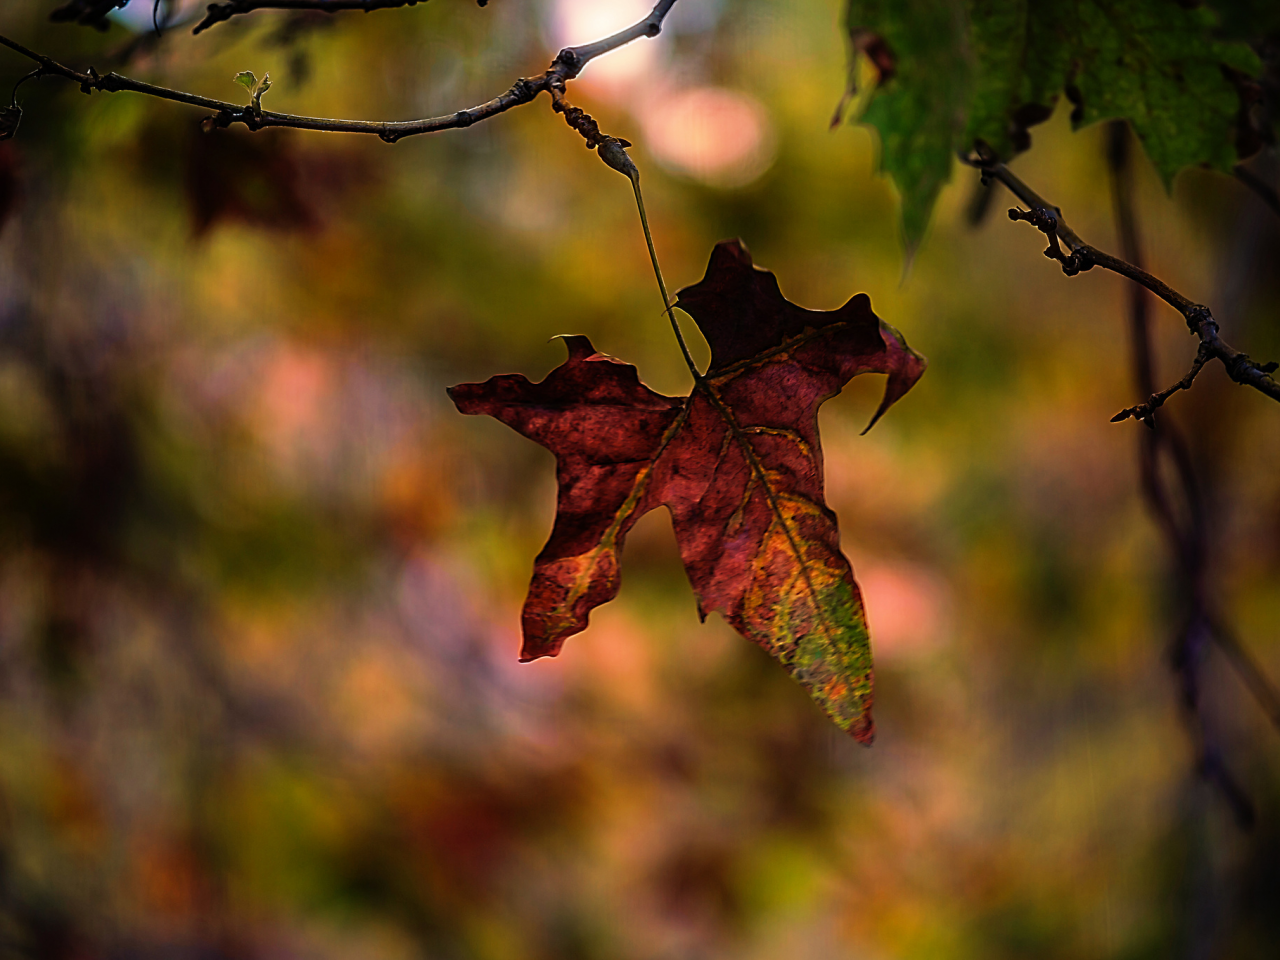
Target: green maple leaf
x,y
963,73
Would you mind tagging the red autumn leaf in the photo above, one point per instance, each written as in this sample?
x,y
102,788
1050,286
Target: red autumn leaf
x,y
738,464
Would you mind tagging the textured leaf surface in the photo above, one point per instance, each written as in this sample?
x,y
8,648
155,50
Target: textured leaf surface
x,y
969,71
919,111
738,464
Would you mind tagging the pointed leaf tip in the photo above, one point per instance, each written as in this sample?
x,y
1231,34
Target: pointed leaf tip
x,y
903,365
579,346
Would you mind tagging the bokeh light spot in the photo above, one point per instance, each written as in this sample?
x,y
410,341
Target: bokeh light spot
x,y
723,138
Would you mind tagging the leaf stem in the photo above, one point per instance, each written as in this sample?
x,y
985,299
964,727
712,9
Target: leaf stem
x,y
628,167
612,152
633,174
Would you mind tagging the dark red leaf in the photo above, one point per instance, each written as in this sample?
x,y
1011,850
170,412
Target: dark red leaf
x,y
738,464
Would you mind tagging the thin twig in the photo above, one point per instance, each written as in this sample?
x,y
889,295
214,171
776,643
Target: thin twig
x,y
1080,256
580,121
614,153
578,57
566,66
225,113
218,12
1144,411
1186,532
1183,531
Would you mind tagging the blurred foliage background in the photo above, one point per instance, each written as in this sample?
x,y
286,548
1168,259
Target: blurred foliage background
x,y
260,583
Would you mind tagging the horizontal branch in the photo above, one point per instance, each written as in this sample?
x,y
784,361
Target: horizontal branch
x,y
218,12
1080,256
226,113
566,66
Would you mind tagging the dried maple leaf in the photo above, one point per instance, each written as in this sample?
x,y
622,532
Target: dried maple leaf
x,y
737,463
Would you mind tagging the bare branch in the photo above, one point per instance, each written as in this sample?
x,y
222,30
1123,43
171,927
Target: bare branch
x,y
576,58
1080,256
218,12
1143,411
567,65
1186,532
579,120
226,113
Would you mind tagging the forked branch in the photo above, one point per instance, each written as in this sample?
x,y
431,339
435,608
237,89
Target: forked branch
x,y
1144,411
1079,256
1168,476
568,63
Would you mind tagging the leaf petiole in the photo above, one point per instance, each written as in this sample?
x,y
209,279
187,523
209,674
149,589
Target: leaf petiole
x,y
613,154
